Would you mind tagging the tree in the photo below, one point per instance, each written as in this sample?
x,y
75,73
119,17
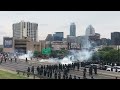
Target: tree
x,y
36,53
106,49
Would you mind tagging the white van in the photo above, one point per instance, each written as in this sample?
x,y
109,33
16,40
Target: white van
x,y
116,67
108,68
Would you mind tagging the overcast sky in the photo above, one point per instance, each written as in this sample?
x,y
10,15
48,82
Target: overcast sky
x,y
49,22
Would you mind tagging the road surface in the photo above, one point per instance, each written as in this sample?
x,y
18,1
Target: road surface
x,y
22,65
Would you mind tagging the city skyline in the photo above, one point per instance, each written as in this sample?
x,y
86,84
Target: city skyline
x,y
49,22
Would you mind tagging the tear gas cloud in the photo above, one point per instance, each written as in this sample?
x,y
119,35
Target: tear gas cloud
x,y
75,55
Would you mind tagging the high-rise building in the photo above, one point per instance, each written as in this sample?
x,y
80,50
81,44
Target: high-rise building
x,y
58,36
71,39
103,41
25,29
49,37
115,38
90,31
72,29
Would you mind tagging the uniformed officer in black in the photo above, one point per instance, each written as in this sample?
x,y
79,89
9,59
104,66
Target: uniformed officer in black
x,y
11,59
70,77
50,74
15,59
66,77
38,70
95,69
45,72
90,70
32,69
28,70
78,66
84,73
63,76
5,59
92,77
74,77
55,75
59,75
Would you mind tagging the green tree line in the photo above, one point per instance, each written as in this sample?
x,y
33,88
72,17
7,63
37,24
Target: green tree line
x,y
107,54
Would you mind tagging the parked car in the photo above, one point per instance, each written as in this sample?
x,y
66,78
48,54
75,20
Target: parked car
x,y
98,66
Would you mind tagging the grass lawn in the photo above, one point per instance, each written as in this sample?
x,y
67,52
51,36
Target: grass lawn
x,y
8,75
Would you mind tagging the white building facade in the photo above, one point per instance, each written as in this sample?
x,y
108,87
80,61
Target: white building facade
x,y
25,29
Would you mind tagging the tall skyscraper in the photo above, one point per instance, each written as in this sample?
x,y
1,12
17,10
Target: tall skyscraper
x,y
115,38
90,31
58,36
25,29
72,29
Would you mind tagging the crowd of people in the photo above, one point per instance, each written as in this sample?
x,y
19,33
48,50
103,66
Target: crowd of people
x,y
4,58
58,71
61,71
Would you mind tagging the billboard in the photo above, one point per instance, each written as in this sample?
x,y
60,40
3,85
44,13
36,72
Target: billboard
x,y
8,42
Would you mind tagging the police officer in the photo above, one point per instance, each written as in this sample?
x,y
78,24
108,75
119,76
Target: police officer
x,y
90,70
5,59
55,75
59,75
95,69
32,69
70,77
66,77
15,59
45,72
50,74
44,67
78,65
78,77
74,77
38,70
84,73
28,70
92,77
63,76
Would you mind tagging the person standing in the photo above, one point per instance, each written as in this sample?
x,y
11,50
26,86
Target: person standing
x,y
5,59
63,76
28,70
59,75
74,77
15,59
11,59
70,77
55,75
50,74
26,60
84,73
32,69
38,70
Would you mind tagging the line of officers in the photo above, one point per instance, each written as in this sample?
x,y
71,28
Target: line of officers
x,y
91,68
58,71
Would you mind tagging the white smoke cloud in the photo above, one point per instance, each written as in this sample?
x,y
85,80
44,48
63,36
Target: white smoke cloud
x,y
75,55
28,55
